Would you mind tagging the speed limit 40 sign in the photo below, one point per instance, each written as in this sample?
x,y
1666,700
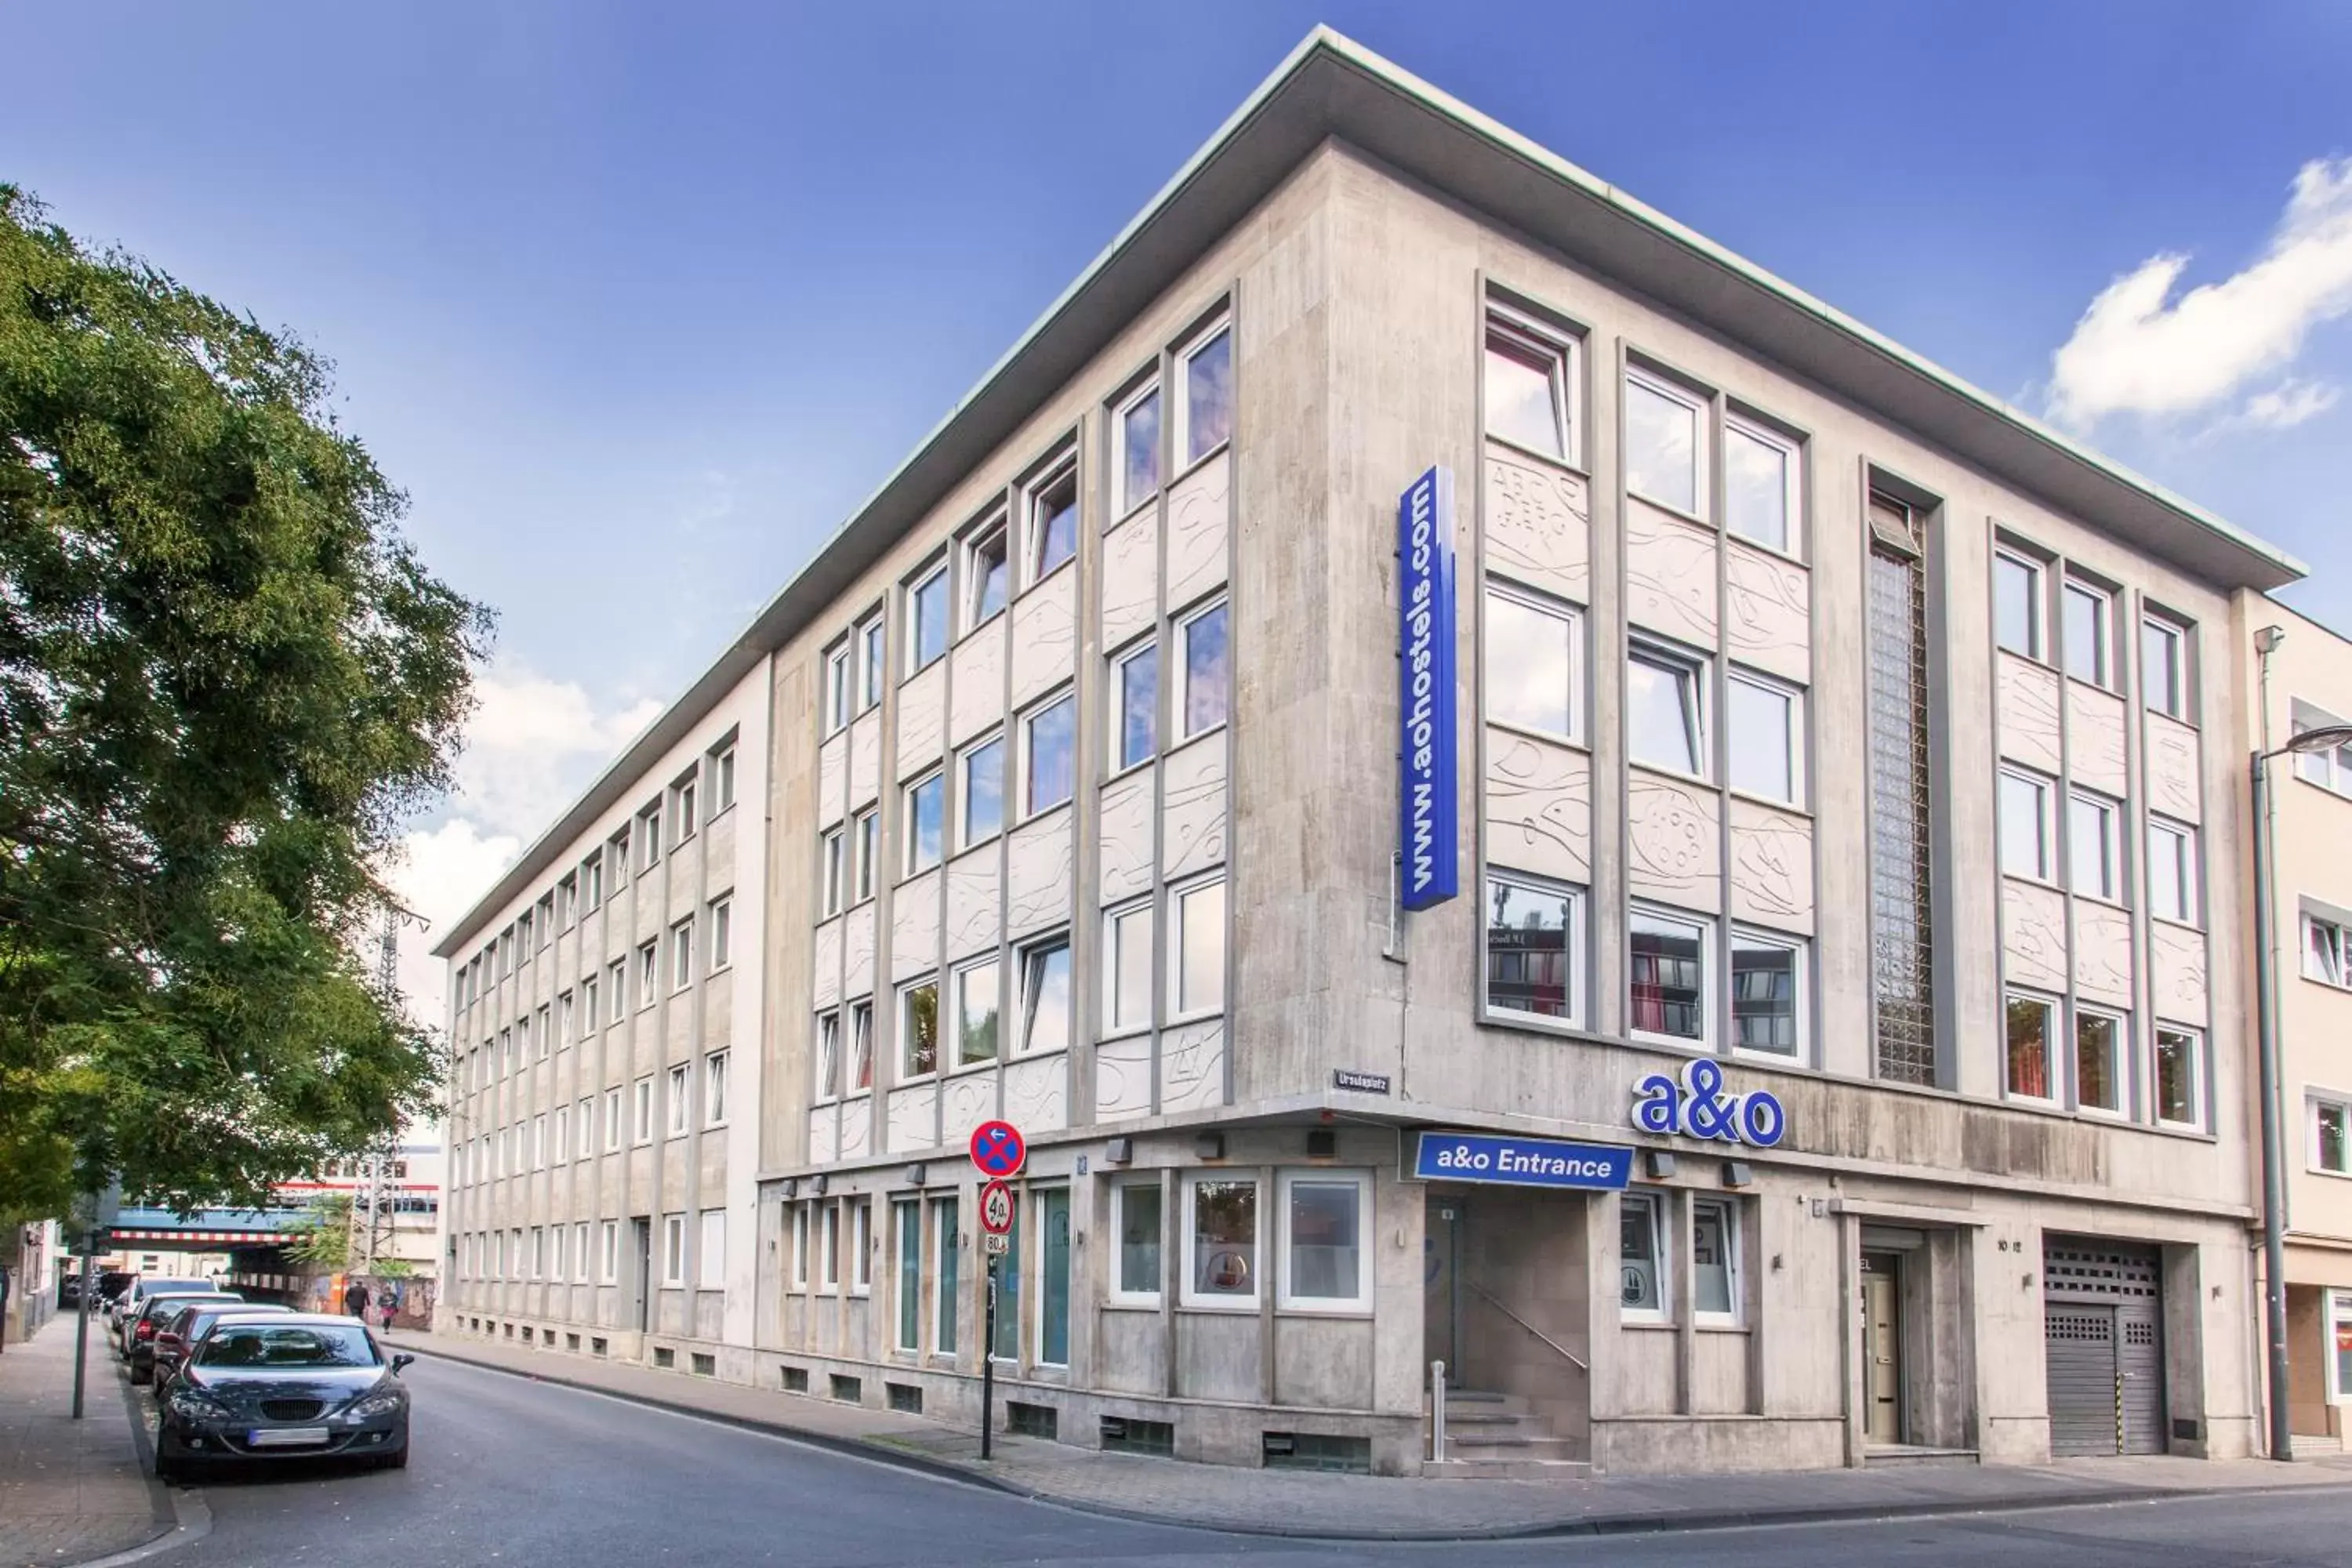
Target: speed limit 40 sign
x,y
997,1208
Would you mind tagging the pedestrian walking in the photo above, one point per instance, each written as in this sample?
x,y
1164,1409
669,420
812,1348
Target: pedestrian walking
x,y
355,1301
387,1301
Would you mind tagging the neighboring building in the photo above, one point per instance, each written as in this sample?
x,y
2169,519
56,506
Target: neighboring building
x,y
406,1192
2306,682
1808,769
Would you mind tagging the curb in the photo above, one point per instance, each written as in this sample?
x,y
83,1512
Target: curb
x,y
882,1450
181,1517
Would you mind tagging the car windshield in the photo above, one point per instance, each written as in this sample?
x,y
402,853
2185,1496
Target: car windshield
x,y
293,1345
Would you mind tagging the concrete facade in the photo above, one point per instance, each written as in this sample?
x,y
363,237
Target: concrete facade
x,y
1174,936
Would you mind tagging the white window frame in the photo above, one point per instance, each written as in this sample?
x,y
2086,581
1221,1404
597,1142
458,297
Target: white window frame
x,y
641,1129
1563,351
1189,1244
1710,956
2119,1068
1800,952
2037,613
681,954
612,1120
903,1017
580,1266
1698,715
1182,707
673,1251
829,1043
722,782
714,1089
2176,636
648,974
2339,1319
1037,1199
840,687
2196,1041
1580,977
2104,603
2109,817
861,1240
1178,414
558,1134
1030,806
1125,504
1286,1298
1180,916
1792,736
871,643
860,1037
2057,1070
680,1086
833,863
1026,955
608,1249
683,803
972,616
2172,859
722,932
1701,408
2334,969
2045,791
1734,1276
1792,483
1571,621
914,863
959,977
1119,1295
2313,1101
829,1247
865,852
800,1246
922,583
1063,466
1114,918
709,1259
1657,1202
1145,646
965,835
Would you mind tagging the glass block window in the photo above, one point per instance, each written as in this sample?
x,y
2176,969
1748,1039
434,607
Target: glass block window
x,y
1902,932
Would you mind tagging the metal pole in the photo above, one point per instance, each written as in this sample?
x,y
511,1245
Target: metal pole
x,y
988,1365
2281,1434
81,1326
1437,1411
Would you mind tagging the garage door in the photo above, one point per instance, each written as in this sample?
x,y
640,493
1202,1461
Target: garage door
x,y
2102,1313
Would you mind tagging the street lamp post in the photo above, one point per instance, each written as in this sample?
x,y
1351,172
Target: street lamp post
x,y
2267,1058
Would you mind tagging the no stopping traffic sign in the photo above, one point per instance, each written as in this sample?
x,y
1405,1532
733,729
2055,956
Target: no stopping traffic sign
x,y
997,1149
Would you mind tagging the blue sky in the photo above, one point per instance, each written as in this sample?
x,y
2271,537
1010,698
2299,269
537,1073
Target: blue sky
x,y
636,302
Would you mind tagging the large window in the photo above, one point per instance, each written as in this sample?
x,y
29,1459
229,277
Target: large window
x,y
1136,691
2325,955
1204,371
946,1277
906,1224
1207,677
2085,614
1136,465
1221,1252
1669,998
1715,1259
986,572
874,646
1053,520
2091,844
2099,1061
2025,825
976,988
2017,604
919,1029
1767,742
983,791
1533,676
2032,1023
1532,944
2164,667
1198,984
1666,709
1135,1221
710,1252
925,812
1045,995
2329,768
1531,388
1665,444
1049,763
2179,1077
1127,990
2331,1136
1767,994
1761,501
927,619
2171,871
1053,1208
1641,1256
1324,1222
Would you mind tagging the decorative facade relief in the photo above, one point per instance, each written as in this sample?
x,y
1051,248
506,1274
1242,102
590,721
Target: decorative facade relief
x,y
2032,935
857,951
1767,617
976,695
922,717
856,1127
2177,973
1193,1067
824,1135
1538,525
1771,868
1195,834
1123,1078
1538,806
2095,739
2174,769
1197,514
1037,875
966,1099
833,779
973,880
1125,818
1045,636
1131,577
1669,575
915,926
2027,712
2103,952
914,1118
826,964
865,759
1036,1092
1673,838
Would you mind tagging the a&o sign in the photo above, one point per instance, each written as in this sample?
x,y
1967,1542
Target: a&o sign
x,y
997,1149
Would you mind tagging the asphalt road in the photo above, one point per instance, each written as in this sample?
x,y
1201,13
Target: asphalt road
x,y
515,1474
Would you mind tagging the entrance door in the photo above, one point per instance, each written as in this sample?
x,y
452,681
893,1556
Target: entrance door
x,y
1882,1347
2102,1316
1441,1284
641,1272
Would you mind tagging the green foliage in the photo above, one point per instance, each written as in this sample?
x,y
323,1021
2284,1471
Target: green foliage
x,y
392,1269
324,1241
225,681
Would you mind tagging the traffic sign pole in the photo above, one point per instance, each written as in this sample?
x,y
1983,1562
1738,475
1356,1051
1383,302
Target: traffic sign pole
x,y
988,1365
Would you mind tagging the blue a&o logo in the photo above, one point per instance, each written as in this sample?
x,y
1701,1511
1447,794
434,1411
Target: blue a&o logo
x,y
1698,1108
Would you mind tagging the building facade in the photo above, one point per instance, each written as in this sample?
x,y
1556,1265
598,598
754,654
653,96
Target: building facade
x,y
1833,1046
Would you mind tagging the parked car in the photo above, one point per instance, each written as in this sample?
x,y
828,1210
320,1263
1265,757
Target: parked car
x,y
297,1386
127,1305
157,1312
194,1319
112,1283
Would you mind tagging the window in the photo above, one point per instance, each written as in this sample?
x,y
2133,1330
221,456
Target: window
x,y
983,791
2329,1139
1221,1261
683,808
986,573
539,1142
1531,942
861,1240
1665,453
800,1244
2084,623
722,932
836,689
2025,825
681,954
567,1019
873,639
1715,1259
1760,498
927,619
1641,1256
608,1249
522,1037
919,1029
649,836
711,1251
678,1100
2091,844
1049,770
1127,991
945,1250
1205,372
866,828
537,1251
587,1125
2324,952
617,858
926,816
560,1134
1666,709
2339,1336
1767,737
580,1251
832,850
722,781
1323,1230
1135,1221
2017,604
976,987
1053,520
2180,1077
2164,667
828,1056
644,1132
1767,993
829,1250
1137,428
1533,666
861,1048
1136,690
1530,388
2171,871
1669,986
2030,1028
673,1249
1053,1210
612,1119
616,981
1901,797
648,974
2099,1061
907,1226
1046,996
1198,984
1206,676
1004,1344
714,1090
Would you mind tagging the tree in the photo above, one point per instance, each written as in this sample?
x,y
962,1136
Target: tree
x,y
226,681
323,1241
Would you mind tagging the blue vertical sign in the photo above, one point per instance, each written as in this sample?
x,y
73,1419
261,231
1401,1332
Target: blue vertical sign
x,y
1426,806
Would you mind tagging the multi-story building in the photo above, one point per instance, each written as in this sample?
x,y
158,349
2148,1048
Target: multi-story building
x,y
395,1201
1830,1046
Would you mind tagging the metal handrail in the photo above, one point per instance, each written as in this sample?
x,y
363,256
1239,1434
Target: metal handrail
x,y
1495,1301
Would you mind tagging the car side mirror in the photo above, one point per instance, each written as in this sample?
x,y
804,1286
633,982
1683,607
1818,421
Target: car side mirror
x,y
400,1360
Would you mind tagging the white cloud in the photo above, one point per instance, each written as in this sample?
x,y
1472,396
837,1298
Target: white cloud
x,y
2139,350
2290,403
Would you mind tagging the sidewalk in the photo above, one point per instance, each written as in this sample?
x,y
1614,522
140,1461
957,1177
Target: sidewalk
x,y
69,1490
1374,1508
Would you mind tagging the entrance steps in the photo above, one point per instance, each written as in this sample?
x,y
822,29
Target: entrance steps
x,y
1906,1456
2308,1445
1495,1437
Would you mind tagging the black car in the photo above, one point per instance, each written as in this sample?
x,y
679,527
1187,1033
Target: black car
x,y
138,1334
302,1385
190,1321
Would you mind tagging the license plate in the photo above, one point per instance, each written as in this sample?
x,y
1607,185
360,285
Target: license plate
x,y
285,1436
